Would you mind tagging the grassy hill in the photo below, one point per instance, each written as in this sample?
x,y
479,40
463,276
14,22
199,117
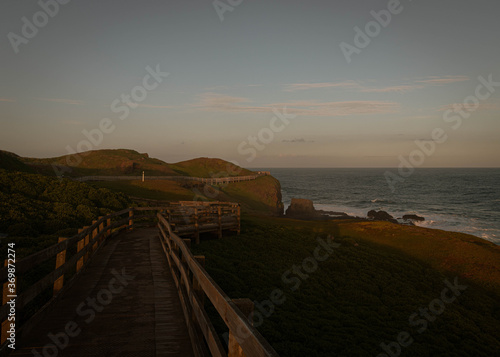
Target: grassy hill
x,y
207,167
364,293
12,162
133,163
262,195
106,162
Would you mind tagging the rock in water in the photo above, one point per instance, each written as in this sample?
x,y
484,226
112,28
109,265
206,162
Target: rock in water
x,y
413,217
301,208
381,216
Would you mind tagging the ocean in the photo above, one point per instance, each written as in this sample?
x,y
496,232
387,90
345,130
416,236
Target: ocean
x,y
460,200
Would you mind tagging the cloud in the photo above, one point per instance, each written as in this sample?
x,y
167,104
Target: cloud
x,y
470,106
443,80
305,86
356,86
214,102
353,86
154,106
7,100
400,89
62,100
299,140
357,107
223,103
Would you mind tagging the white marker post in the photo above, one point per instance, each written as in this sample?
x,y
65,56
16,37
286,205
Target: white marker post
x,y
143,176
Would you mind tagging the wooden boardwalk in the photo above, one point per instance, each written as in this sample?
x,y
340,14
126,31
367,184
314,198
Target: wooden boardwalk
x,y
136,292
142,317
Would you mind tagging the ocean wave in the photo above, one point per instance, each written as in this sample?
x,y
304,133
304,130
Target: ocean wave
x,y
381,200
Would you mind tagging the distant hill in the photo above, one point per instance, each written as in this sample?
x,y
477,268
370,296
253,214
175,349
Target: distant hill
x,y
261,195
12,162
132,163
207,167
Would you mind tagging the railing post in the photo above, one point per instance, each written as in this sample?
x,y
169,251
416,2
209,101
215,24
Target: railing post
x,y
87,241
80,245
60,260
196,226
108,231
5,300
95,231
246,307
238,209
219,213
130,218
101,228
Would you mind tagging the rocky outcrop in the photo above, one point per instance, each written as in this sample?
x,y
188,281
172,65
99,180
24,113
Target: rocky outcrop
x,y
301,208
413,217
381,216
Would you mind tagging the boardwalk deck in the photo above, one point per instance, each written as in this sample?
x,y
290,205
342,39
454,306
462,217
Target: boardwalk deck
x,y
143,319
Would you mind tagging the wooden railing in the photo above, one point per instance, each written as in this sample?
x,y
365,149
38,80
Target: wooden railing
x,y
208,180
193,285
192,281
84,244
194,217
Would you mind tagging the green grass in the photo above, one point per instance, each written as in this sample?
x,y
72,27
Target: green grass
x,y
261,195
131,162
361,296
153,190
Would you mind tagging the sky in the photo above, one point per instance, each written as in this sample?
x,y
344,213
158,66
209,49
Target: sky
x,y
292,83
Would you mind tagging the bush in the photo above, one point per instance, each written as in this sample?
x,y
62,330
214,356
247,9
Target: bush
x,y
31,204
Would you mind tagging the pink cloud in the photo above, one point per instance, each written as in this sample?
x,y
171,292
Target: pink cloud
x,y
304,86
223,103
62,100
443,80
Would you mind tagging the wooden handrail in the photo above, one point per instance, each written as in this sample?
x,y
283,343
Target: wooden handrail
x,y
192,281
98,231
250,340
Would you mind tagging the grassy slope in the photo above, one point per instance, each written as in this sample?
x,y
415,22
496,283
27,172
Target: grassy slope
x,y
109,162
120,161
262,195
457,253
12,162
207,167
153,190
360,297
